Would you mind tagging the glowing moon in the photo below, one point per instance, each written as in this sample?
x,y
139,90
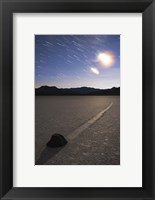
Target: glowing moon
x,y
94,70
106,58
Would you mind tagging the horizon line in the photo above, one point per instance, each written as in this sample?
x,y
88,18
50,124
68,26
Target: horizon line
x,y
76,87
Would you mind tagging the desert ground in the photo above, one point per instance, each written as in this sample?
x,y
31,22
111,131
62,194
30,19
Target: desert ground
x,y
93,135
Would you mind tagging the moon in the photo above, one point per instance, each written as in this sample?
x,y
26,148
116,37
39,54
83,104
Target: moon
x,y
94,70
107,59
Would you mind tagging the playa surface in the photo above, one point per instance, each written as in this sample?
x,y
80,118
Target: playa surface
x,y
95,143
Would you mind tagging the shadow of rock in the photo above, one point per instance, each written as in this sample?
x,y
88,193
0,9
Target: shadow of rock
x,y
47,154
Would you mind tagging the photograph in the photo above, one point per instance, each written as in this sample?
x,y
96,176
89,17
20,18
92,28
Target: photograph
x,y
77,99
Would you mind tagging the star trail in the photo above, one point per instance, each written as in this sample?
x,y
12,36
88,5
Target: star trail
x,y
68,61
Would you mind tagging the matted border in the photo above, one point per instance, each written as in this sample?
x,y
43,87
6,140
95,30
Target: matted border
x,y
129,25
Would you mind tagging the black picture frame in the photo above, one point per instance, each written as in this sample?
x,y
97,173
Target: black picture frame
x,y
7,8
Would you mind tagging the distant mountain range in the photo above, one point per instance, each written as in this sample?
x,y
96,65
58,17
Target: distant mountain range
x,y
52,90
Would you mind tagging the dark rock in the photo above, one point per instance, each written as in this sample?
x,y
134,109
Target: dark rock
x,y
57,140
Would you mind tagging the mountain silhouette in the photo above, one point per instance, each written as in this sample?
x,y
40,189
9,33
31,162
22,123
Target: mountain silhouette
x,y
52,90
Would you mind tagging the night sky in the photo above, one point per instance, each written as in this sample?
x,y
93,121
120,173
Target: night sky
x,y
69,61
